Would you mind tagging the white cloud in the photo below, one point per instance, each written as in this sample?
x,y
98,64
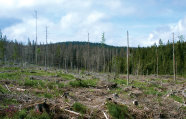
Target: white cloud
x,y
165,32
94,17
71,20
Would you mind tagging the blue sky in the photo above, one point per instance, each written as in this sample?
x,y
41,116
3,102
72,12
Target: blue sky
x,y
70,20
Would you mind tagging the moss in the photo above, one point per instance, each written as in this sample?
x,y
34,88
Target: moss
x,y
118,111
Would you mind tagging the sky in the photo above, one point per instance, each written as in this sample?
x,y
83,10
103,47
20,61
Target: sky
x,y
71,20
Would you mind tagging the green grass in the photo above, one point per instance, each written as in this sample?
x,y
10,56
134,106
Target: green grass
x,y
78,107
153,91
120,81
24,114
47,95
9,68
35,115
138,84
84,83
149,89
2,89
34,83
10,75
51,85
177,98
61,85
6,102
38,73
118,111
67,76
21,114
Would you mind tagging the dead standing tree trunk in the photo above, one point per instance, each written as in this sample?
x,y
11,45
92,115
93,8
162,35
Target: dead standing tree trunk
x,y
174,71
88,60
46,52
157,59
36,37
127,58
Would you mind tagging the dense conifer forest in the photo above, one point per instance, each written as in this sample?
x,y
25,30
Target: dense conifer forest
x,y
97,57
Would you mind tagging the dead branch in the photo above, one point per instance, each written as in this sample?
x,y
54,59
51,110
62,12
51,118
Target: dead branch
x,y
21,90
7,88
76,113
106,117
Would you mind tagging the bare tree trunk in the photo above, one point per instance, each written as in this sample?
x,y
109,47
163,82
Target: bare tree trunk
x,y
127,58
46,51
88,64
174,61
157,59
36,36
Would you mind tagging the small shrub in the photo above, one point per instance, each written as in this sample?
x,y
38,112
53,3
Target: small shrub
x,y
118,111
78,107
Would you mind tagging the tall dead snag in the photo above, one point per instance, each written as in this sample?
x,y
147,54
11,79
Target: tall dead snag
x,y
157,59
88,54
174,70
127,58
46,49
36,36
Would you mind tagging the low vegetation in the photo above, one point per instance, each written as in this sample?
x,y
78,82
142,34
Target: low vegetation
x,y
84,83
118,111
93,89
78,107
177,98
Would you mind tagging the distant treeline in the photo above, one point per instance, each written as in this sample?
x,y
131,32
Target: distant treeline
x,y
96,56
